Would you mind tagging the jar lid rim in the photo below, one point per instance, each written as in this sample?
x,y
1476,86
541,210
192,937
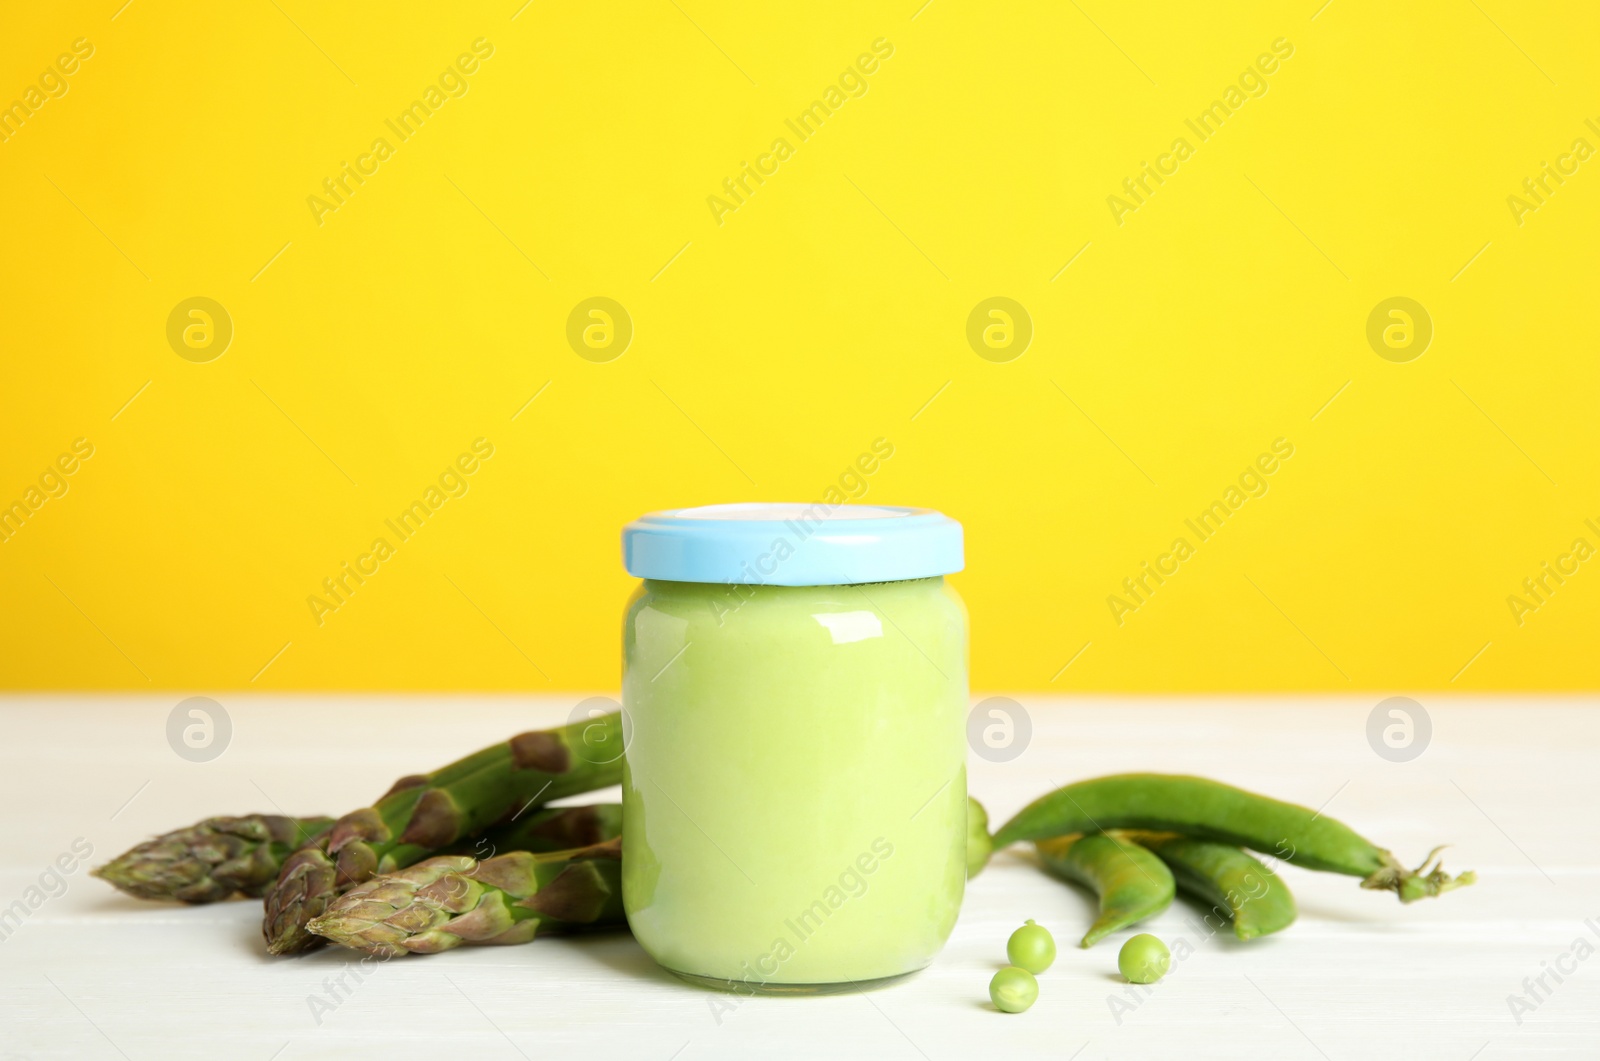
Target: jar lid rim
x,y
788,544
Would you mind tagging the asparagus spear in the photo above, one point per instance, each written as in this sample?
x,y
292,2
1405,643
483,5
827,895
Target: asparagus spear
x,y
545,830
211,860
222,857
426,813
454,900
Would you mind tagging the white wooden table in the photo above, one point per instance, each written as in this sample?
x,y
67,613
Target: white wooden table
x,y
1515,784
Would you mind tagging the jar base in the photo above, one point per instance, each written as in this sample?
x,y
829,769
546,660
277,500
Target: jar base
x,y
744,987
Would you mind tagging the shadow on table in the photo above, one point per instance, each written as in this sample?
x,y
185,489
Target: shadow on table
x,y
621,953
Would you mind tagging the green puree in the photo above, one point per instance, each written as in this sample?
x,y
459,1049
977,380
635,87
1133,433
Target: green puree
x,y
794,796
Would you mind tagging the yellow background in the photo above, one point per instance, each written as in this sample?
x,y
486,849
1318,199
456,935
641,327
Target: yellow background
x,y
822,314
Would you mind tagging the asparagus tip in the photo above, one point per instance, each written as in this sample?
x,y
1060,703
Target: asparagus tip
x,y
122,876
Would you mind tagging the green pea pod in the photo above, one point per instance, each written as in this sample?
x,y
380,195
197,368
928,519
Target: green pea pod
x,y
1254,897
1210,810
979,846
1132,883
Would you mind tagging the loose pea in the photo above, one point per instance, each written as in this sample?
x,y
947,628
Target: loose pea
x,y
1144,959
1013,989
1031,947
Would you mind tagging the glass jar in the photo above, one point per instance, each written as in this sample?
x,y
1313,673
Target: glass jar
x,y
794,791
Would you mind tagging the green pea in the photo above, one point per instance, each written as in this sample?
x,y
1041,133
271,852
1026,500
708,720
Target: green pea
x,y
1144,959
1031,947
1013,989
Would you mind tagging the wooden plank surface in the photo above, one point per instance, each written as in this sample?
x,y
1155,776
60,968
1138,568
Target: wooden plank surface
x,y
1513,783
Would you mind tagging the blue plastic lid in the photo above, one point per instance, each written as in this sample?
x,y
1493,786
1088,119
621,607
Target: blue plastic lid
x,y
792,544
